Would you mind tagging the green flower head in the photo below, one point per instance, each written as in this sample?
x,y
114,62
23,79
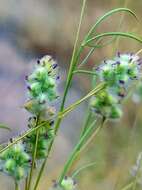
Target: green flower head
x,y
46,134
15,161
42,85
67,184
118,74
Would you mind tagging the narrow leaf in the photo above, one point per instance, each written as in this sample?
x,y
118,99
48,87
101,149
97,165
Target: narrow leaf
x,y
122,34
3,126
105,16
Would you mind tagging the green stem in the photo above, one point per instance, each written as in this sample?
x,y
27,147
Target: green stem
x,y
84,72
26,183
84,61
97,130
93,29
86,124
82,168
23,136
78,148
74,105
43,165
122,34
62,114
115,47
73,63
128,186
34,155
16,185
74,152
74,59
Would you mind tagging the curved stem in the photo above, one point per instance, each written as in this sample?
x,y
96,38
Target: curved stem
x,y
108,14
122,34
82,168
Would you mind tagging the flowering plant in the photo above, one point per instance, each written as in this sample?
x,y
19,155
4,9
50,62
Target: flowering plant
x,y
112,82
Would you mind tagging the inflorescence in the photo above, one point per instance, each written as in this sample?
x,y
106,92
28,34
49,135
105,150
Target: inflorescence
x,y
42,85
67,184
16,161
118,74
46,134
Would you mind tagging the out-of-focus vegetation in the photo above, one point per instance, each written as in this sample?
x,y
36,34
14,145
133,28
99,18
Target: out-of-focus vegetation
x,y
32,28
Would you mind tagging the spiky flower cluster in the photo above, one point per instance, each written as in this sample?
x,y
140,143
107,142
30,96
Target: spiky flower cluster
x,y
67,184
15,161
118,75
46,134
42,85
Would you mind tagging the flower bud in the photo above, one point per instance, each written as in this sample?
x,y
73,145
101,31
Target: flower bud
x,y
15,161
10,165
42,85
118,74
68,184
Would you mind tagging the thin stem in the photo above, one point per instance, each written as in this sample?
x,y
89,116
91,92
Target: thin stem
x,y
89,114
34,155
138,52
84,72
74,105
40,173
73,62
84,61
74,59
92,30
93,135
82,168
23,136
122,34
26,183
120,26
128,186
134,184
16,185
62,114
74,152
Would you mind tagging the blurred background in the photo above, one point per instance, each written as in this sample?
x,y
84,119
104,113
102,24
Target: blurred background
x,y
30,29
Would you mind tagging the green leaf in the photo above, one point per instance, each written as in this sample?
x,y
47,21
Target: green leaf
x,y
122,34
110,13
83,168
85,60
3,126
